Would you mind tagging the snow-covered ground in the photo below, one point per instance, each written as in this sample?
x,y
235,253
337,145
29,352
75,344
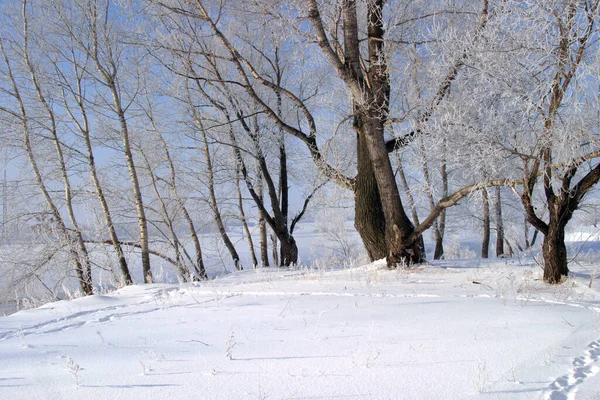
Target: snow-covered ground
x,y
451,330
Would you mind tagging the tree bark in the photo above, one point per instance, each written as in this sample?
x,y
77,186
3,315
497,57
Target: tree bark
x,y
485,245
289,251
499,224
274,251
369,220
554,252
262,225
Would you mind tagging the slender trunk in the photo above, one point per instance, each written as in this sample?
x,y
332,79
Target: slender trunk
x,y
499,224
85,286
274,251
108,73
243,219
526,232
284,199
437,229
262,224
534,238
509,247
485,245
213,200
411,202
199,269
84,258
125,274
439,245
137,193
84,128
183,272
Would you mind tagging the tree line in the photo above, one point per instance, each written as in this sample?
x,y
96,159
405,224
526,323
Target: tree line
x,y
160,111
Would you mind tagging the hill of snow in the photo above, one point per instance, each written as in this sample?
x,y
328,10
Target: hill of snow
x,y
451,330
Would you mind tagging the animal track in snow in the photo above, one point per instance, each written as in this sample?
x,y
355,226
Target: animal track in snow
x,y
583,367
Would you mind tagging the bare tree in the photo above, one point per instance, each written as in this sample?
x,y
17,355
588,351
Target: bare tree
x,y
380,217
106,53
499,224
22,115
73,90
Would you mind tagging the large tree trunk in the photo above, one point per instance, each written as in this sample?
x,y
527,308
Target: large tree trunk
x,y
397,225
369,220
289,251
555,254
485,244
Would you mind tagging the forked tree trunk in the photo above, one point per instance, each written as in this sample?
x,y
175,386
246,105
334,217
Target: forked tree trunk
x,y
83,266
485,244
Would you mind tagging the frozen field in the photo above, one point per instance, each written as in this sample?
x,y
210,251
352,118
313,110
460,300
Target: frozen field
x,y
451,330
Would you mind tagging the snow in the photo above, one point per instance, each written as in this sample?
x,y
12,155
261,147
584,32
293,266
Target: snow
x,y
448,330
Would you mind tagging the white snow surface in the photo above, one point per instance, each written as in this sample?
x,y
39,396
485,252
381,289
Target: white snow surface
x,y
451,330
